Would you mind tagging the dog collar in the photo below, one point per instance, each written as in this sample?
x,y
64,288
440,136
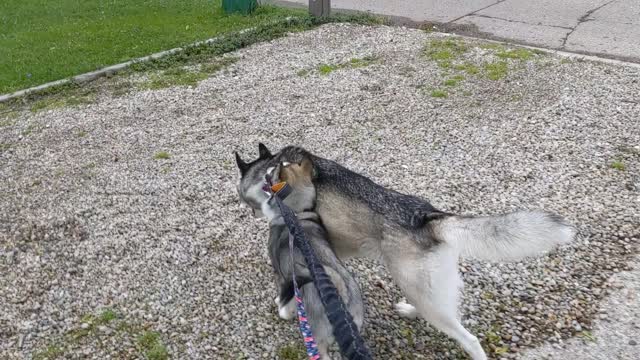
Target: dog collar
x,y
281,189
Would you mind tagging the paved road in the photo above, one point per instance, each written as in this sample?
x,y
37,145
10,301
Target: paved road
x,y
609,28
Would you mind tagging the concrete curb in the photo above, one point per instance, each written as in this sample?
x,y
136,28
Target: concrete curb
x,y
113,69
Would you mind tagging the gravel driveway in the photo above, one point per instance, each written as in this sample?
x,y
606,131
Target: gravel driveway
x,y
121,235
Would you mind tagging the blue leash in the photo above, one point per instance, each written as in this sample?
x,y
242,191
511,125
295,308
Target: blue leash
x,y
345,331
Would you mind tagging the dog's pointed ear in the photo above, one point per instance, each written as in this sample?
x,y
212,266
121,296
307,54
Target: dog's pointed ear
x,y
263,151
243,166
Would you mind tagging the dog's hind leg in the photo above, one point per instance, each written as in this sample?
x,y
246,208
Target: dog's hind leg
x,y
431,282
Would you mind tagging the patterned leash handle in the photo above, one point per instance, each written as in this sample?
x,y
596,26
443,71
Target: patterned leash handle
x,y
345,331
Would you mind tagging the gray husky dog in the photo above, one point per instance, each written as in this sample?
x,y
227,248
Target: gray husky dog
x,y
419,244
285,264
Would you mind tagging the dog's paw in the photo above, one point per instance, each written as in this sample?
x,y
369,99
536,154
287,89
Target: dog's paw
x,y
277,301
287,312
406,310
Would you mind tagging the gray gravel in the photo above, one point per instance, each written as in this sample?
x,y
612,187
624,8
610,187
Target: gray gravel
x,y
89,220
616,332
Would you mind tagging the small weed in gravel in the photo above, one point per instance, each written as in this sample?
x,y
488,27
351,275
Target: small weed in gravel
x,y
6,121
4,147
468,67
157,352
354,63
162,155
152,346
519,54
450,82
618,165
29,129
217,65
454,80
107,316
50,353
181,76
172,77
302,73
587,336
409,335
439,93
496,70
445,51
291,352
120,88
326,69
361,62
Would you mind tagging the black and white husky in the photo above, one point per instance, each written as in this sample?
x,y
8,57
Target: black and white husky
x,y
285,265
419,244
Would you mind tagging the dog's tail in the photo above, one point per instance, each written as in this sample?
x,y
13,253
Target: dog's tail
x,y
512,236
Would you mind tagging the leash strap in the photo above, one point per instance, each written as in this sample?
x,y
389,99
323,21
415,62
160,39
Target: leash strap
x,y
305,327
345,331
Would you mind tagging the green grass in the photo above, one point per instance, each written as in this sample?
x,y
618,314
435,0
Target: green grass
x,y
43,41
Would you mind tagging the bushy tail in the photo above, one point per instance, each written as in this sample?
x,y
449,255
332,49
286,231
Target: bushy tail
x,y
507,237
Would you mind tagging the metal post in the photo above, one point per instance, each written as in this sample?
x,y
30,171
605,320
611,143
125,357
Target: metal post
x,y
320,8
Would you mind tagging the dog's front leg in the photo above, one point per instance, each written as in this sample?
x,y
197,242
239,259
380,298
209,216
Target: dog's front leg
x,y
286,311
